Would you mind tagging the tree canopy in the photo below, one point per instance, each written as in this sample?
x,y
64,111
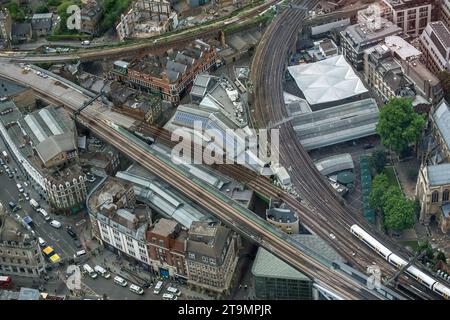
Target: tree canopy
x,y
112,10
379,186
399,126
377,161
398,212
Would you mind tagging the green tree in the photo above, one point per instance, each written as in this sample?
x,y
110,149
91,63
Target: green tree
x,y
444,78
399,126
441,257
377,161
379,186
41,9
17,13
112,10
398,211
54,3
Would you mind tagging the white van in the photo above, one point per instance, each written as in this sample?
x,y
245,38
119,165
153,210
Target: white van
x,y
19,187
136,289
158,287
169,296
55,224
174,291
42,242
102,272
89,271
44,214
79,253
34,204
120,281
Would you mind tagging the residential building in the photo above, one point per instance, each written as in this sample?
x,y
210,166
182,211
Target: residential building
x,y
42,24
433,190
147,18
412,15
20,254
21,32
167,249
5,25
274,279
355,39
102,161
91,13
385,75
44,142
435,47
117,222
281,216
211,257
171,76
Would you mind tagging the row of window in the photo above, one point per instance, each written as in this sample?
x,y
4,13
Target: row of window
x,y
435,196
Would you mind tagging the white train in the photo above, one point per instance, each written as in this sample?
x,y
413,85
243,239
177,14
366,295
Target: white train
x,y
397,261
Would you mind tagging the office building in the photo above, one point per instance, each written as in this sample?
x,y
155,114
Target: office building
x,y
435,47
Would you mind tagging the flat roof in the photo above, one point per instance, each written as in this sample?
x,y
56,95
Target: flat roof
x,y
327,80
401,47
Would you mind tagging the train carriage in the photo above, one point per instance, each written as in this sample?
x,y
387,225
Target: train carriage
x,y
397,261
421,277
370,241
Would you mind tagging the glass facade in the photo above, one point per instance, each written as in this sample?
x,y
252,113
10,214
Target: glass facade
x,y
282,289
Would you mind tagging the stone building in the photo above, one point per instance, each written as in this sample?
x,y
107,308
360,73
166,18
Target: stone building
x,y
20,253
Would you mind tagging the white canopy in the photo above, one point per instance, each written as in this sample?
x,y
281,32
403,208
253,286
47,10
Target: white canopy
x,y
327,80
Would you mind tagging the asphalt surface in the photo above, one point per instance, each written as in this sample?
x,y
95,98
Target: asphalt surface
x,y
58,239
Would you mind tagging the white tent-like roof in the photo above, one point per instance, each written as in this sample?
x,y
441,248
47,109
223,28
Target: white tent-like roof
x,y
327,80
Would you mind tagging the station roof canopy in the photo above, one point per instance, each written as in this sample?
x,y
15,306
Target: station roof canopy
x,y
327,80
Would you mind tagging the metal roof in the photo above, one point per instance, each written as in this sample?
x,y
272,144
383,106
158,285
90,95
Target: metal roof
x,y
335,163
439,174
441,119
51,122
35,127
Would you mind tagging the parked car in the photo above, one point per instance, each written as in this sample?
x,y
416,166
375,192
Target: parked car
x,y
120,281
55,224
71,232
42,242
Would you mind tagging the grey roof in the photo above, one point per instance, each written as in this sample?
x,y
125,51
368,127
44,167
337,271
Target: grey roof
x,y
268,265
184,59
337,124
446,210
335,163
442,33
19,29
439,174
121,64
441,119
48,15
207,246
9,88
52,146
174,69
283,215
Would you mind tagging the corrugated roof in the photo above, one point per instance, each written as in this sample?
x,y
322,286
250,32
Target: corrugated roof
x,y
439,174
54,145
335,163
51,122
35,127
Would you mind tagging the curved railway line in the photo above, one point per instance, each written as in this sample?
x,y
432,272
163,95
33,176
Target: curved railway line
x,y
321,203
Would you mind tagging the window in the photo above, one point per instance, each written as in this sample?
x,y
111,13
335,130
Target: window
x,y
445,195
434,197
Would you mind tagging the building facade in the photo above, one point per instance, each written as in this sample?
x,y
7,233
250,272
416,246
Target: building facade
x,y
211,257
435,47
167,249
412,15
171,78
445,13
117,223
433,192
20,254
42,24
5,25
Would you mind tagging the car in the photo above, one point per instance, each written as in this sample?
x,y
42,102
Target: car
x,y
26,195
79,253
42,242
17,208
25,184
120,281
55,224
332,236
368,146
136,289
71,232
169,296
12,205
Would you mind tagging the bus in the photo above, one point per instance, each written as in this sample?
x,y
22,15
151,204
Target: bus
x,y
5,282
51,254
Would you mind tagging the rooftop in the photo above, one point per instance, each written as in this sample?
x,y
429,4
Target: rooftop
x,y
439,174
164,227
9,88
327,80
442,33
336,163
441,118
207,240
403,4
401,47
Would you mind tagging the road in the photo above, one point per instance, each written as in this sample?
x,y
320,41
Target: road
x,y
59,239
98,119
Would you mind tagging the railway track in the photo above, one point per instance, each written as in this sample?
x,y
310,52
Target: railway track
x,y
321,203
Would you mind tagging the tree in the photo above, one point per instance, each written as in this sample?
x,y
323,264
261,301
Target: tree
x,y
41,9
112,10
441,257
379,186
398,211
377,161
399,126
444,78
